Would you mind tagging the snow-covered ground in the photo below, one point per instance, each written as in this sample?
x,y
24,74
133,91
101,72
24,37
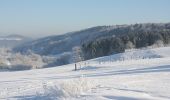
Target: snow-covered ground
x,y
134,75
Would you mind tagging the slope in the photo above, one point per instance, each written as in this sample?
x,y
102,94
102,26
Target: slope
x,y
133,75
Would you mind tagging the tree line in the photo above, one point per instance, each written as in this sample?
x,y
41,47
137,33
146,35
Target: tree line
x,y
133,36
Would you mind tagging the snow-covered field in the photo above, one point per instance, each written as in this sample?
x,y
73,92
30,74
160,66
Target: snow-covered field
x,y
134,75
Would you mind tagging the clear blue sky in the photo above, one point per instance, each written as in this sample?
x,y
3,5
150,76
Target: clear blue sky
x,y
47,17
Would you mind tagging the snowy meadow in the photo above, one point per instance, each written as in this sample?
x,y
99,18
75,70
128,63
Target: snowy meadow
x,y
133,75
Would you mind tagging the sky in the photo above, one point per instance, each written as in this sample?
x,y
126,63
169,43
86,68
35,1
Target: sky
x,y
37,18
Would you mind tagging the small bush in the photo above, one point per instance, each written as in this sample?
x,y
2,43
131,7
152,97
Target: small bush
x,y
67,89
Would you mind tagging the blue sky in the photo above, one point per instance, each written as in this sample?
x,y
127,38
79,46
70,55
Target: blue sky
x,y
47,17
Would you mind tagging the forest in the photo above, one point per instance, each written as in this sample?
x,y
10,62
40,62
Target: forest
x,y
132,36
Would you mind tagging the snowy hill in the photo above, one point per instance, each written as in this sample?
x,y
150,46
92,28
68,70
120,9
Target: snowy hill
x,y
12,40
133,75
98,41
58,44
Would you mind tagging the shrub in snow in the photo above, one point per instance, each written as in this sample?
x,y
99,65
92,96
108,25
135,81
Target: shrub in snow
x,y
3,65
158,43
68,89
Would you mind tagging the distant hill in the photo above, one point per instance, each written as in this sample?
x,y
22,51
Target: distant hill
x,y
54,45
13,40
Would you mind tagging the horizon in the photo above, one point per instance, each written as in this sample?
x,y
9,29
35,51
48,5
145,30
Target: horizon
x,y
2,35
44,18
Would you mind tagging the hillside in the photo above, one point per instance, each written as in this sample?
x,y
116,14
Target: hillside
x,y
133,75
13,40
98,41
134,36
54,45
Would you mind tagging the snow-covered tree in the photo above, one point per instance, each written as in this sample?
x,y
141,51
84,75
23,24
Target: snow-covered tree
x,y
77,55
18,61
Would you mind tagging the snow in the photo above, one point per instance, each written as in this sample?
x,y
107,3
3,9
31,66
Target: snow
x,y
133,75
9,39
